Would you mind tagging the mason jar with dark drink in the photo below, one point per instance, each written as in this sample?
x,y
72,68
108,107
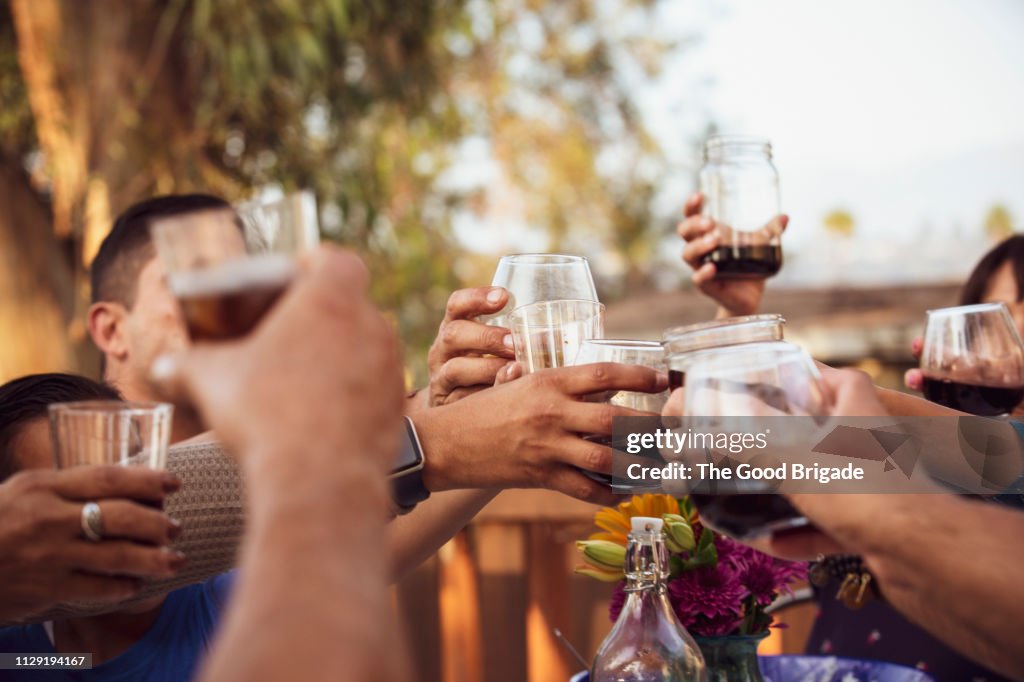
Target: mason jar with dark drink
x,y
741,195
679,342
973,359
228,268
761,379
226,301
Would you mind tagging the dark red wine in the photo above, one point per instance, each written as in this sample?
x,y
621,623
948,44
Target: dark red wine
x,y
747,516
737,262
676,379
985,401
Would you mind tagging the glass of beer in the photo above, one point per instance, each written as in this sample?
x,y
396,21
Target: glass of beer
x,y
227,268
105,432
550,333
535,277
973,359
757,379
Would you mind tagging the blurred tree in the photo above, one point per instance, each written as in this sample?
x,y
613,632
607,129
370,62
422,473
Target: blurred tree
x,y
998,223
839,222
365,103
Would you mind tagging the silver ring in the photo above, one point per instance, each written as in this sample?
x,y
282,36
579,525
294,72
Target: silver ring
x,y
92,521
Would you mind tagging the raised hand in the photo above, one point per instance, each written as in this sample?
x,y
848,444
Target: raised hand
x,y
734,296
526,433
467,355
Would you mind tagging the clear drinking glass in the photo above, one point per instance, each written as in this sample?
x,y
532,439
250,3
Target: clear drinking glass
x,y
741,194
227,270
550,333
973,359
535,277
756,379
679,342
104,432
628,352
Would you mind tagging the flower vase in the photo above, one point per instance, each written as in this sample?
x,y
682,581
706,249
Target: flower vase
x,y
732,658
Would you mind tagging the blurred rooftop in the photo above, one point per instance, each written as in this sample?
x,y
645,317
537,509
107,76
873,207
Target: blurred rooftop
x,y
836,325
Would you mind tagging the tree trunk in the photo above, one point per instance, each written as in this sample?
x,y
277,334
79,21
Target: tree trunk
x,y
35,283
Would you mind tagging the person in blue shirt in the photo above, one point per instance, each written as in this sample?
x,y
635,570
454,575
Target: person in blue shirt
x,y
160,639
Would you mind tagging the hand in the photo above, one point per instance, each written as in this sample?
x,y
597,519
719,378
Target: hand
x,y
914,378
457,362
734,296
853,395
320,375
526,433
44,558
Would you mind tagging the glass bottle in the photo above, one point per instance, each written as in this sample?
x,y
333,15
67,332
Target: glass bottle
x,y
647,642
741,194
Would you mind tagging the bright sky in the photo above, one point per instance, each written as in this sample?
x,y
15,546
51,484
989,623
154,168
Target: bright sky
x,y
910,113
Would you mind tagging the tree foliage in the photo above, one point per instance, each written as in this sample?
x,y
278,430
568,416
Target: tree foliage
x,y
839,222
367,103
998,223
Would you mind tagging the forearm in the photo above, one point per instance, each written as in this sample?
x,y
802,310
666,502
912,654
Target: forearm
x,y
905,405
412,539
950,564
313,578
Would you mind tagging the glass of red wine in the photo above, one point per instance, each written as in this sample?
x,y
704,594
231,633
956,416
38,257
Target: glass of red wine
x,y
973,359
771,379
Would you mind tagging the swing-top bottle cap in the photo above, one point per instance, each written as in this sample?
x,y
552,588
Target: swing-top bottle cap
x,y
646,524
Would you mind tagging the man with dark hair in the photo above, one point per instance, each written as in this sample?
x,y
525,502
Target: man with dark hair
x,y
134,318
43,555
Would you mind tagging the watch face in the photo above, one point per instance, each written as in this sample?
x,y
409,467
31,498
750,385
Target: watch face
x,y
409,455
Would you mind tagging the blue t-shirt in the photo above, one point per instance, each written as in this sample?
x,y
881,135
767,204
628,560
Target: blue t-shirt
x,y
170,650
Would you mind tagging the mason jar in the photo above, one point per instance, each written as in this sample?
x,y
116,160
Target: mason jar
x,y
681,342
741,194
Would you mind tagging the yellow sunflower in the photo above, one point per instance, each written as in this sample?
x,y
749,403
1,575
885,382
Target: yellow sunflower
x,y
615,521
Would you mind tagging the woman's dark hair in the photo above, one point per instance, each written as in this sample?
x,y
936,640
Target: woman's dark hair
x,y
1010,249
27,399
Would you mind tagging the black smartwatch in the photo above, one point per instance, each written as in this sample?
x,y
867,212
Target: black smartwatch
x,y
407,489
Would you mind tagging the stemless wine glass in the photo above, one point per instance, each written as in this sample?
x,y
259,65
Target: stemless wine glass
x,y
228,269
102,432
534,277
757,379
549,333
973,359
